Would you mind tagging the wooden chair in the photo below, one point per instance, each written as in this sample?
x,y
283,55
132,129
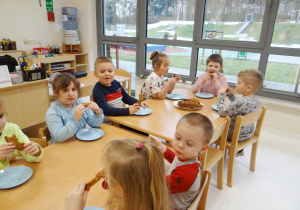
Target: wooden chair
x,y
87,90
45,133
121,72
234,146
41,141
200,201
213,156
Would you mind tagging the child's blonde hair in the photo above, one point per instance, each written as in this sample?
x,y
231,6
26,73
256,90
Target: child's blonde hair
x,y
63,80
252,77
199,121
103,59
139,172
2,106
157,58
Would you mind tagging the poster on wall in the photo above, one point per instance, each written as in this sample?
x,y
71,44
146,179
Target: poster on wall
x,y
50,11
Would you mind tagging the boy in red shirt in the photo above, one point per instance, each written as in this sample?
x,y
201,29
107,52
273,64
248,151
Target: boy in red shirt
x,y
193,133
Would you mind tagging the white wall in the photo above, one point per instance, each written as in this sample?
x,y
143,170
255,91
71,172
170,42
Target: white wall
x,y
21,19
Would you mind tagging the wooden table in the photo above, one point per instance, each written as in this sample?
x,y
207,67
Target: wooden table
x,y
90,79
62,167
165,116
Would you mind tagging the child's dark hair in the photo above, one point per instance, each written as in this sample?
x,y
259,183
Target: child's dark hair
x,y
200,121
215,58
63,80
157,58
103,59
252,77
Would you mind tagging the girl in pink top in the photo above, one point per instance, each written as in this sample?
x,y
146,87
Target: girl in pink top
x,y
212,80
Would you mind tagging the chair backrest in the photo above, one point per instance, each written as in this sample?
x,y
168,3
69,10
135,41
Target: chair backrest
x,y
45,133
41,141
220,133
253,117
200,200
121,72
87,90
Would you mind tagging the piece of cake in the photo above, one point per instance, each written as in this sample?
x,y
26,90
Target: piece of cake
x,y
192,103
229,89
14,140
85,104
98,176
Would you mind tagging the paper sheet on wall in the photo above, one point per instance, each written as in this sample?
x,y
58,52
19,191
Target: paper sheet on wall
x,y
5,79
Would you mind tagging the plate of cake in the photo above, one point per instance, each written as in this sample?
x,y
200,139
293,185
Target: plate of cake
x,y
188,104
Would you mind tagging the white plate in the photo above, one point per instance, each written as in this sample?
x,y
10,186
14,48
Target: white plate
x,y
175,96
204,95
90,134
175,103
14,176
143,111
214,107
92,208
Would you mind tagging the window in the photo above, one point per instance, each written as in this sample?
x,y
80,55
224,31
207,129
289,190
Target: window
x,y
120,17
282,73
287,26
249,34
235,20
171,19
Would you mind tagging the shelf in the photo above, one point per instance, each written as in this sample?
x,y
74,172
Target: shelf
x,y
81,65
79,62
61,70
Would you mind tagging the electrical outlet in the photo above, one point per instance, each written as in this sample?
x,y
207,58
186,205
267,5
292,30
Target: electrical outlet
x,y
58,20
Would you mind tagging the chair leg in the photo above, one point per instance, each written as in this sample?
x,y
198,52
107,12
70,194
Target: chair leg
x,y
220,173
253,156
230,167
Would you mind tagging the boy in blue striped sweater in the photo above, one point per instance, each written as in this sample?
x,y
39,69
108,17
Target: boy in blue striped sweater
x,y
109,93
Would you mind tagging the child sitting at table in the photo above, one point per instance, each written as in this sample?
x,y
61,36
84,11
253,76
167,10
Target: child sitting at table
x,y
192,135
134,175
249,81
212,80
32,152
156,85
109,94
68,115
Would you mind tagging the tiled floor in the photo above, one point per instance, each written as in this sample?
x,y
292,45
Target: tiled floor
x,y
274,185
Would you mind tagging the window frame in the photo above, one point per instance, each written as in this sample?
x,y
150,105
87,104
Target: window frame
x,y
263,47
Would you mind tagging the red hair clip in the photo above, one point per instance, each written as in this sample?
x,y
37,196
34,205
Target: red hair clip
x,y
139,145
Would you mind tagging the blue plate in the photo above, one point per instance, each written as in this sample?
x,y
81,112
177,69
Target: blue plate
x,y
14,176
174,96
204,95
90,134
143,111
92,208
214,107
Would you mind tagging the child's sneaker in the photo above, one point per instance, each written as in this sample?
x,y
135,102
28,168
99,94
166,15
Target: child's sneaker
x,y
239,153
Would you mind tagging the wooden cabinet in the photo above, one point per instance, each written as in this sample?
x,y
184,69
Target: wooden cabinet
x,y
81,62
74,62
